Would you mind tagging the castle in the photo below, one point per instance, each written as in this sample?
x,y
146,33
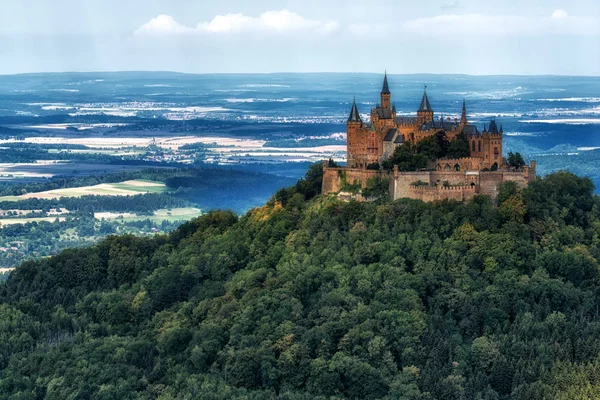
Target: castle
x,y
370,144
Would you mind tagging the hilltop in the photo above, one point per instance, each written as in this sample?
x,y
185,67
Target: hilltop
x,y
310,297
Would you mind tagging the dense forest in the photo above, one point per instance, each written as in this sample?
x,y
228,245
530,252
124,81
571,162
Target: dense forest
x,y
309,297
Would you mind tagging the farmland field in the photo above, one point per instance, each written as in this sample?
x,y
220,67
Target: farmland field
x,y
174,214
126,188
14,221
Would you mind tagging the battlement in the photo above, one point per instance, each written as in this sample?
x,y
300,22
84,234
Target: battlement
x,y
457,185
442,192
442,188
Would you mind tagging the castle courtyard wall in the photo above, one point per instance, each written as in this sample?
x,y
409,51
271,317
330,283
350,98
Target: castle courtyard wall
x,y
433,185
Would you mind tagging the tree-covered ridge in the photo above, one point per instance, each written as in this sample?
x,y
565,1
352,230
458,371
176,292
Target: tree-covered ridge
x,y
316,298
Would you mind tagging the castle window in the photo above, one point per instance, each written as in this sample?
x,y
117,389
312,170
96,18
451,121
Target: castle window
x,y
447,167
456,167
473,146
495,151
480,145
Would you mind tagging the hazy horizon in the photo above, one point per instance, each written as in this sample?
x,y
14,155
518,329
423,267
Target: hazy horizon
x,y
505,37
285,73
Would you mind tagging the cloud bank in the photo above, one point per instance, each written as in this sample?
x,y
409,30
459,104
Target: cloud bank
x,y
281,21
559,22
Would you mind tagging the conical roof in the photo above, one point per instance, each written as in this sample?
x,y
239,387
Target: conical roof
x,y
354,115
425,106
386,88
493,127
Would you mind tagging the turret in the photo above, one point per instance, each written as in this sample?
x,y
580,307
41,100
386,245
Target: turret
x,y
385,93
425,112
354,117
493,128
492,144
353,135
463,117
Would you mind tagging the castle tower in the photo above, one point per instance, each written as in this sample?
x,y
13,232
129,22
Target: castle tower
x,y
425,112
463,117
385,94
354,142
492,144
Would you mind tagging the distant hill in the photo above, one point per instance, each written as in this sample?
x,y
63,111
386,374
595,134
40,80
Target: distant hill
x,y
309,297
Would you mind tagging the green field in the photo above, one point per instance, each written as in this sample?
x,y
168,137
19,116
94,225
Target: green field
x,y
14,221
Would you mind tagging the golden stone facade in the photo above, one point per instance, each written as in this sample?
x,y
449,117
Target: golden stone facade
x,y
374,142
443,179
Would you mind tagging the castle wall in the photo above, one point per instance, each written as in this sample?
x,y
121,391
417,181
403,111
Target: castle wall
x,y
435,193
489,181
453,178
465,164
400,185
333,178
438,185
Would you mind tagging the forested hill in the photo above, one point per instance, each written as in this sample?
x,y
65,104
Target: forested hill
x,y
312,298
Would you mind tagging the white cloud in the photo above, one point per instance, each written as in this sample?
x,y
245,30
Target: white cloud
x,y
559,13
559,22
163,24
270,21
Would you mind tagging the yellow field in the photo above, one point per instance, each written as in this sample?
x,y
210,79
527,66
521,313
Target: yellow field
x,y
126,188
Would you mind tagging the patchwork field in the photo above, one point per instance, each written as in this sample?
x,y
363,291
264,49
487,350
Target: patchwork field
x,y
174,214
14,221
126,188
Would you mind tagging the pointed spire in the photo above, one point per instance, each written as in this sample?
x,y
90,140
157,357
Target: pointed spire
x,y
354,114
493,127
463,117
501,130
386,88
425,106
394,107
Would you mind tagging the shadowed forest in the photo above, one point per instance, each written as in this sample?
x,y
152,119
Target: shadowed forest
x,y
309,297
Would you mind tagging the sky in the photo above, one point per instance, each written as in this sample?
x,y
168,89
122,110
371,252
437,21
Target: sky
x,y
262,36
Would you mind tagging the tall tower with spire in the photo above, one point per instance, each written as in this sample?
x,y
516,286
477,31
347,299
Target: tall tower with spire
x,y
463,116
386,95
354,138
425,112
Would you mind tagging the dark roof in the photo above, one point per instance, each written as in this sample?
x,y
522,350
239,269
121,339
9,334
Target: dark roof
x,y
383,113
385,89
493,127
438,124
354,115
470,130
406,120
425,106
399,139
390,135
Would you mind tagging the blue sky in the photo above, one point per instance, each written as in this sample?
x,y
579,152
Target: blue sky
x,y
431,36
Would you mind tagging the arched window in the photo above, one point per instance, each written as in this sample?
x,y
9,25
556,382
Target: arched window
x,y
480,145
456,167
473,145
438,167
447,167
